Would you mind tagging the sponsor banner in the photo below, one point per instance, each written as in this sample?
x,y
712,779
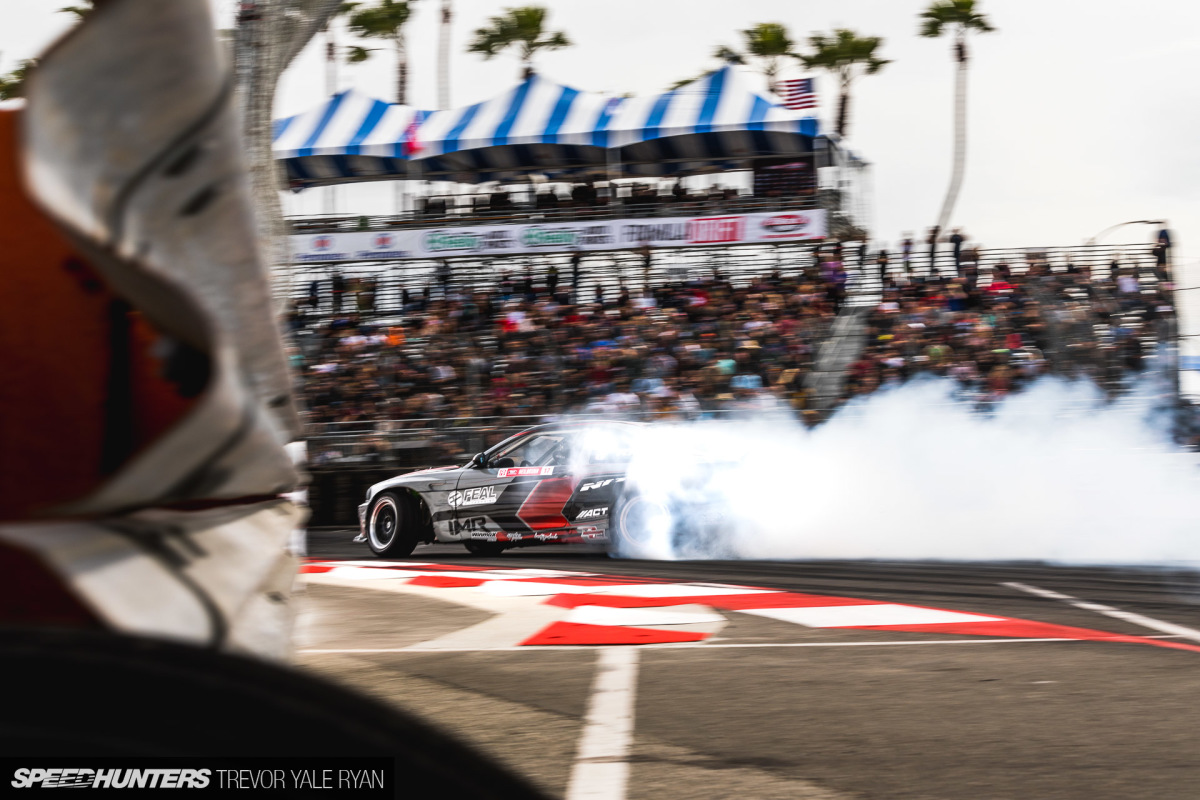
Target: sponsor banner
x,y
521,472
495,240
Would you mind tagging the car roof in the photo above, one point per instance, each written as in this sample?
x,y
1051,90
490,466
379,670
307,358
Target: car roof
x,y
580,425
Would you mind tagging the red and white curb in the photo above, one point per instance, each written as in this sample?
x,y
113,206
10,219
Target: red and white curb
x,y
541,607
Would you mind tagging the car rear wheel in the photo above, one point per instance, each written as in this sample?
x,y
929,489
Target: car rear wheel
x,y
477,548
641,526
391,529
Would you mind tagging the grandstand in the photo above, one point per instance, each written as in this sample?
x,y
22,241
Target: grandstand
x,y
604,264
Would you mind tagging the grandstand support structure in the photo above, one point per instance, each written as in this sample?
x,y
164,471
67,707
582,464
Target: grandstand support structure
x,y
841,349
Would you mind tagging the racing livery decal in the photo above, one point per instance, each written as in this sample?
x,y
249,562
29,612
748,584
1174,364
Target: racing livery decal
x,y
521,472
591,513
479,496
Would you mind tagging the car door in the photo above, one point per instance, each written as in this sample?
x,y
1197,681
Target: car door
x,y
519,492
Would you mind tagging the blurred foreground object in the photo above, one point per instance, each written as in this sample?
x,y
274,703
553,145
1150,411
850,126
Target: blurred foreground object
x,y
147,401
146,409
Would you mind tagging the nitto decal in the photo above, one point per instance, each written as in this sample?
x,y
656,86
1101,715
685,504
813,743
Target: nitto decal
x,y
479,496
599,484
521,472
468,525
592,513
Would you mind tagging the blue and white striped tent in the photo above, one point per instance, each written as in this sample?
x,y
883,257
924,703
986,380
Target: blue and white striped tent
x,y
714,123
717,122
350,137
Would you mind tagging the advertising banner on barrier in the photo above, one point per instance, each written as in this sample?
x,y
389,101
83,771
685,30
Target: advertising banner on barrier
x,y
585,236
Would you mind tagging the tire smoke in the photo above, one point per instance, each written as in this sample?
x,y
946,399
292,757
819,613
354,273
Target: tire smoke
x,y
1053,474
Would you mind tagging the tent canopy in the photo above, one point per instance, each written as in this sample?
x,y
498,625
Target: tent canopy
x,y
714,123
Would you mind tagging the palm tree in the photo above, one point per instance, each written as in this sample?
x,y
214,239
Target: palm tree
x,y
79,11
767,41
444,56
384,21
12,85
960,18
523,27
847,56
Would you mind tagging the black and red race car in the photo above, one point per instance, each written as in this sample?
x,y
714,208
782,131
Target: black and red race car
x,y
551,483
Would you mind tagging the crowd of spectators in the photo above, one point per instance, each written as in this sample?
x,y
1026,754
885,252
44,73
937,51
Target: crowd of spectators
x,y
540,344
994,328
534,346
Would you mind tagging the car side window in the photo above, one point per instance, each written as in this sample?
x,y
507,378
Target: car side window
x,y
533,451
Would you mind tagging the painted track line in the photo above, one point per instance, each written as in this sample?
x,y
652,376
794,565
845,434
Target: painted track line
x,y
601,770
689,646
1108,611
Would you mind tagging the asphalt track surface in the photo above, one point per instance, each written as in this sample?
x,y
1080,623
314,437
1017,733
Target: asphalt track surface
x,y
769,709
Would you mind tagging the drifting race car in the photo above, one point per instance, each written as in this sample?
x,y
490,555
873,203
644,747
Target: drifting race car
x,y
552,483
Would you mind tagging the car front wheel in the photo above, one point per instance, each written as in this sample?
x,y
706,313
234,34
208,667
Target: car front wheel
x,y
391,529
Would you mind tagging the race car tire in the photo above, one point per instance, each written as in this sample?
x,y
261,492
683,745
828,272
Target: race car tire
x,y
641,524
391,529
94,694
477,548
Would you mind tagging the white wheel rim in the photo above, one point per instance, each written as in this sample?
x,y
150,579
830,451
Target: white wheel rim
x,y
641,534
381,540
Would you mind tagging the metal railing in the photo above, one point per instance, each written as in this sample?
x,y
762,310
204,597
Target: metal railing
x,y
378,290
467,210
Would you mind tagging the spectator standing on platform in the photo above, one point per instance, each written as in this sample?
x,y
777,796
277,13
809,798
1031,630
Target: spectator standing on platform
x,y
576,268
1164,239
552,280
314,294
881,261
337,285
956,242
1160,261
444,274
932,241
647,261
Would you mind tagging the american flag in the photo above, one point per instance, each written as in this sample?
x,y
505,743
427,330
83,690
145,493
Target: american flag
x,y
798,93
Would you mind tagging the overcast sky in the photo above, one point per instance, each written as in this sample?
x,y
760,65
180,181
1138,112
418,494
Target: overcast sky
x,y
1081,115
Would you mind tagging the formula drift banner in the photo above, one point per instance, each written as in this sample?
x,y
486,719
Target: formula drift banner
x,y
498,240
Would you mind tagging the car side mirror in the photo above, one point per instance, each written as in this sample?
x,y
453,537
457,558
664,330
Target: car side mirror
x,y
478,461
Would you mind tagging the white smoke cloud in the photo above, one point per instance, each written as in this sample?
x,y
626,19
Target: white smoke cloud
x,y
1052,474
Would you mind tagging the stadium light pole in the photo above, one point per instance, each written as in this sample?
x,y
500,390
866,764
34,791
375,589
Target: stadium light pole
x,y
1092,241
